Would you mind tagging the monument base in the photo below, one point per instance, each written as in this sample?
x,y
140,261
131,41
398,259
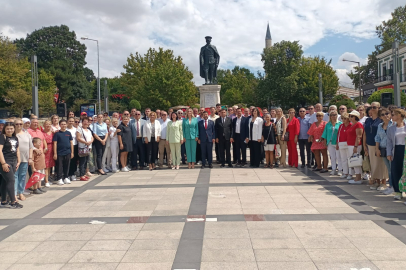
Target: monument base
x,y
209,95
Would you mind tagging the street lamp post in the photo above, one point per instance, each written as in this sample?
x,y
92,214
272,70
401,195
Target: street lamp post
x,y
359,77
98,71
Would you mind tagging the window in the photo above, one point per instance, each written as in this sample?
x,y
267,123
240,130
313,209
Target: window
x,y
384,72
403,75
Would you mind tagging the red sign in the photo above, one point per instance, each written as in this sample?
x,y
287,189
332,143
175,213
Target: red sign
x,y
385,87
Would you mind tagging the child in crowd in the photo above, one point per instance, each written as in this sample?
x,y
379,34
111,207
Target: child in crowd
x,y
63,152
39,159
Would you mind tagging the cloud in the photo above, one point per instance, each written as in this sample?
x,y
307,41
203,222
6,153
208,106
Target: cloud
x,y
237,27
343,67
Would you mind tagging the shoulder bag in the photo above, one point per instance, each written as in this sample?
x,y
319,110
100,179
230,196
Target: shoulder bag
x,y
83,151
355,161
266,141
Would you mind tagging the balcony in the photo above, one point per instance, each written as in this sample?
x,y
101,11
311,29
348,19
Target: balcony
x,y
384,80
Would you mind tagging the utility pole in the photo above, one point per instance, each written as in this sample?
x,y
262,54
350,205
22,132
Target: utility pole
x,y
320,90
106,98
34,84
396,77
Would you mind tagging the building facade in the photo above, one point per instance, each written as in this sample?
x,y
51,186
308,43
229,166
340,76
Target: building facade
x,y
385,69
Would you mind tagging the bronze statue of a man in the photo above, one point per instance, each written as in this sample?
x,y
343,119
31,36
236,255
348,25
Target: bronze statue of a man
x,y
209,61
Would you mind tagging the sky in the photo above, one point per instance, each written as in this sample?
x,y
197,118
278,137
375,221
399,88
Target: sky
x,y
336,29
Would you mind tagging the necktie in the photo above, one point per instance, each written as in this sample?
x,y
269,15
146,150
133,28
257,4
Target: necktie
x,y
205,124
138,128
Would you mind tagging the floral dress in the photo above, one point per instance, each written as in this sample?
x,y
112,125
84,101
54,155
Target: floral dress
x,y
316,132
49,155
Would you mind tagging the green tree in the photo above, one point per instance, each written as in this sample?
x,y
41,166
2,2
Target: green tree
x,y
389,31
282,67
376,96
19,100
308,83
135,104
62,55
237,86
339,100
14,69
158,79
46,91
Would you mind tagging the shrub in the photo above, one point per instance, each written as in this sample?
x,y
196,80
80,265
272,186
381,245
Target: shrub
x,y
339,100
376,97
135,104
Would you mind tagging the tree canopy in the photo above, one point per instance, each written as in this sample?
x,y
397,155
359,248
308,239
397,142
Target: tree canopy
x,y
158,79
339,100
61,54
238,86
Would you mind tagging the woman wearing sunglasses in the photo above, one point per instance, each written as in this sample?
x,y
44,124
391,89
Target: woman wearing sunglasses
x,y
318,147
380,147
354,141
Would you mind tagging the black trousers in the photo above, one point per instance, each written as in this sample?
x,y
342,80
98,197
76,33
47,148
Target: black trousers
x,y
74,161
302,144
216,149
7,184
224,151
312,155
207,152
239,149
397,166
83,165
138,149
99,152
152,151
255,153
63,166
198,152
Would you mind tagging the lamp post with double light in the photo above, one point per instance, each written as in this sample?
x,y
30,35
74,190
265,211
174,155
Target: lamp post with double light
x,y
359,77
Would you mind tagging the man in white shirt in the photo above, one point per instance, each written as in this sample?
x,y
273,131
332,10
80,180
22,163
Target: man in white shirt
x,y
213,116
317,108
162,146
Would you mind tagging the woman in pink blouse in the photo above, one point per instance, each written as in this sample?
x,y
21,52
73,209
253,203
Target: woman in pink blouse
x,y
318,146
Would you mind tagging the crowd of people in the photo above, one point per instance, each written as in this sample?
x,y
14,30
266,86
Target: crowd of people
x,y
73,149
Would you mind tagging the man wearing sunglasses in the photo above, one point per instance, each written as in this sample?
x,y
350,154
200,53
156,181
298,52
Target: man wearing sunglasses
x,y
137,128
342,110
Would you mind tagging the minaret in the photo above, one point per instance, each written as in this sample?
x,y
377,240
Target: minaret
x,y
268,38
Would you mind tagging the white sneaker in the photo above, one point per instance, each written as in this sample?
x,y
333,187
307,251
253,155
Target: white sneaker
x,y
366,176
73,178
124,169
60,182
47,184
339,173
388,191
116,171
333,173
343,176
381,187
66,181
349,177
353,182
398,196
374,186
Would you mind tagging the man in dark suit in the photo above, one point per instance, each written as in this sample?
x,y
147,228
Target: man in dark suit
x,y
224,129
207,136
240,133
146,114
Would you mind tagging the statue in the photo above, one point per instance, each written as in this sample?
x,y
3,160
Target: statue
x,y
209,61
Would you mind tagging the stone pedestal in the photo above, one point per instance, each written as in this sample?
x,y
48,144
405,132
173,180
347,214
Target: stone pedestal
x,y
209,95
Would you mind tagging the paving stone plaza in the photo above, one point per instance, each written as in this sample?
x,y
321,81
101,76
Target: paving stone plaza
x,y
220,218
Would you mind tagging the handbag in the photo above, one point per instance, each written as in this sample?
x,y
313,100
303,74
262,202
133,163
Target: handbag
x,y
286,137
84,151
383,152
277,151
355,161
366,165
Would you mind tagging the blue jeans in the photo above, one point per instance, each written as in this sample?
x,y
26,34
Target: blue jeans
x,y
387,164
19,176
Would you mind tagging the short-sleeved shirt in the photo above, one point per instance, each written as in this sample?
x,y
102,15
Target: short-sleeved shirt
x,y
10,146
342,132
39,160
63,139
37,133
73,133
25,144
370,129
352,133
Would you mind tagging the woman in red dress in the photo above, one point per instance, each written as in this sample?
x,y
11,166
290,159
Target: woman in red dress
x,y
315,132
49,155
293,128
